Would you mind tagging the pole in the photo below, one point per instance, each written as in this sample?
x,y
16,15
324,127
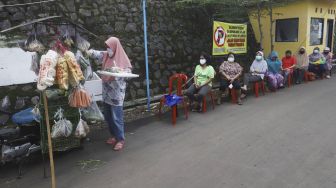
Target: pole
x,y
51,157
146,53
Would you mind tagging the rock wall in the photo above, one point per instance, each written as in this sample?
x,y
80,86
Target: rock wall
x,y
176,35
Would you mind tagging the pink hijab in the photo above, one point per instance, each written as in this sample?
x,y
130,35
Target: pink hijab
x,y
119,58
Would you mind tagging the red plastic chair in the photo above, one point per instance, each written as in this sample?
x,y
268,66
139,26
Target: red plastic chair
x,y
181,80
306,76
234,97
204,106
257,85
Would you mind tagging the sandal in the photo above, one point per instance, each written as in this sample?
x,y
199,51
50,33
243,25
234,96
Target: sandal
x,y
119,146
111,141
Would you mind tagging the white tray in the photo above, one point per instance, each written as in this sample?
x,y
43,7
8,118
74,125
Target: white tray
x,y
120,75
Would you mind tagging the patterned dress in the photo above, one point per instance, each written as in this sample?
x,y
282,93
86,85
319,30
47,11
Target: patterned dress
x,y
230,69
114,90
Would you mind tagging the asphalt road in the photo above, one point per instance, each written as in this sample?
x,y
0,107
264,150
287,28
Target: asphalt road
x,y
281,140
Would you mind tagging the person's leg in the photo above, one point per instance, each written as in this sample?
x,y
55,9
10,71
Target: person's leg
x,y
295,76
285,75
279,80
323,70
109,121
301,75
202,93
246,80
272,80
223,85
236,86
190,93
118,123
250,79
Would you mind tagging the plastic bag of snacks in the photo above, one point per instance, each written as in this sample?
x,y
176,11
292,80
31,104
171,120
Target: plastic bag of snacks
x,y
5,103
62,74
47,71
75,73
20,103
62,127
93,113
35,64
67,39
79,98
35,46
82,129
82,44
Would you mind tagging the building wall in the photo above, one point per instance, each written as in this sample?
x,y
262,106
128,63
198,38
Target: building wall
x,y
303,10
325,6
294,10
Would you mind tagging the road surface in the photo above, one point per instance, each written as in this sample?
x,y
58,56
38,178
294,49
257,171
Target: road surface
x,y
282,140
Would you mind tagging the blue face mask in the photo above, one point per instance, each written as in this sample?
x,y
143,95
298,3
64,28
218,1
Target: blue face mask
x,y
259,58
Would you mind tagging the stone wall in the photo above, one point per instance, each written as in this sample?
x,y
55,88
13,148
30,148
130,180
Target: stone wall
x,y
176,35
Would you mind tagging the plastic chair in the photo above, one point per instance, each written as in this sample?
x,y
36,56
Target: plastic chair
x,y
257,85
234,97
204,106
306,77
181,80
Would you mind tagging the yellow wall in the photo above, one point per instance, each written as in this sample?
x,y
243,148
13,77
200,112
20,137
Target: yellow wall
x,y
303,10
312,14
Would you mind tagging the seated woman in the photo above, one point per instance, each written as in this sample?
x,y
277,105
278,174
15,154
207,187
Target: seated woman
x,y
317,63
230,72
302,62
288,65
257,72
274,77
204,74
329,61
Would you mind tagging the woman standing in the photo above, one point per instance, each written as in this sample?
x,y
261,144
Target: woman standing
x,y
302,63
230,72
203,76
113,59
274,71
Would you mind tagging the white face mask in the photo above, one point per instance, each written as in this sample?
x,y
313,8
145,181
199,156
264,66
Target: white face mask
x,y
316,51
202,61
231,59
109,52
259,58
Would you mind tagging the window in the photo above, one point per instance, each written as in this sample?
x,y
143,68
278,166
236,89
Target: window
x,y
316,31
287,30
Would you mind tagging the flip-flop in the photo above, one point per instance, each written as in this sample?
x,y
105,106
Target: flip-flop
x,y
119,146
111,141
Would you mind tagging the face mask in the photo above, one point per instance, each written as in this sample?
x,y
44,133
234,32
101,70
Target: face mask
x,y
258,58
109,52
316,51
202,61
231,59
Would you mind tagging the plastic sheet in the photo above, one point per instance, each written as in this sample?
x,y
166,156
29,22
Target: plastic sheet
x,y
172,100
93,113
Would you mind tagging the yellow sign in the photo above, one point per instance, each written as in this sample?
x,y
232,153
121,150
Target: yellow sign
x,y
229,37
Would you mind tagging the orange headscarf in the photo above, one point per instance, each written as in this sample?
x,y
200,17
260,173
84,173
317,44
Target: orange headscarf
x,y
119,58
